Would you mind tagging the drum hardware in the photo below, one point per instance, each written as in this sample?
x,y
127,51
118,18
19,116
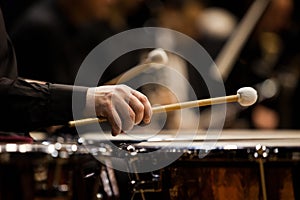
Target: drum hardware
x,y
243,164
262,152
140,185
130,149
109,183
143,184
262,178
256,170
54,171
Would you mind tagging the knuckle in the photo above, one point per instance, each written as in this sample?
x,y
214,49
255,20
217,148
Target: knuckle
x,y
121,88
143,99
105,109
107,105
140,108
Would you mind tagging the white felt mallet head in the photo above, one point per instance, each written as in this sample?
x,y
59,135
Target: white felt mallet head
x,y
247,96
157,56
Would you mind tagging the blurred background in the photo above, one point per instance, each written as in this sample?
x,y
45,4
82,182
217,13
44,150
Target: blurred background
x,y
52,38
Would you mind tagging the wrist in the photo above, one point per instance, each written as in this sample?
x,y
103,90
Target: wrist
x,y
89,110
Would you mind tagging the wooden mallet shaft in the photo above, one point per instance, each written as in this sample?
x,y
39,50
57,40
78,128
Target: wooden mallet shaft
x,y
193,104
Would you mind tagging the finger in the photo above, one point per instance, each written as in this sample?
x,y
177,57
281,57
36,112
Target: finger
x,y
115,122
138,109
147,106
126,114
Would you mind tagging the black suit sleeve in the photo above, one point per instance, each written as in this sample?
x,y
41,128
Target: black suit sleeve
x,y
27,106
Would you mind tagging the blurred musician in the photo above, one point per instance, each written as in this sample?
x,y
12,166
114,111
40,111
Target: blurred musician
x,y
61,33
27,105
270,62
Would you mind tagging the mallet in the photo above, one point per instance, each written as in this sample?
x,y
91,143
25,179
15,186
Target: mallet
x,y
156,58
245,96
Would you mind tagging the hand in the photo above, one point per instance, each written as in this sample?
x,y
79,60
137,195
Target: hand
x,y
121,105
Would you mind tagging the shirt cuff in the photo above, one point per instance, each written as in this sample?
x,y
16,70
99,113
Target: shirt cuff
x,y
61,102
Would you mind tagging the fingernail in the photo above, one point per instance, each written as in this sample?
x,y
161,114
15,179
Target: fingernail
x,y
147,121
